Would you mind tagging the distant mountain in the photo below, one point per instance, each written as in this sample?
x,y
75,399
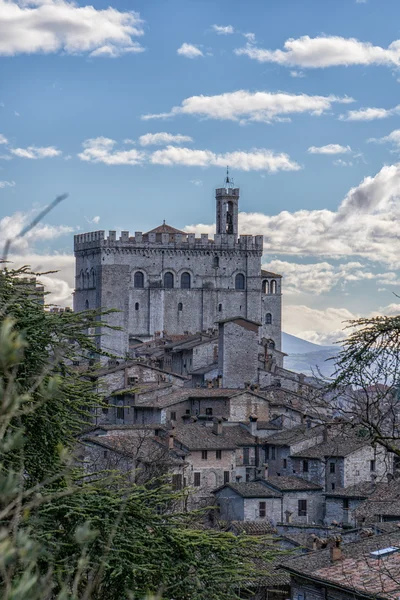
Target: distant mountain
x,y
306,357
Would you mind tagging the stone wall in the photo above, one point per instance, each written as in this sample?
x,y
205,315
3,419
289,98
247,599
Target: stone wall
x,y
238,353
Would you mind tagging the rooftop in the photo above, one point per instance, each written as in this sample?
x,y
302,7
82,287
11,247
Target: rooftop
x,y
196,436
297,434
251,489
383,501
339,446
252,527
164,228
291,483
265,273
358,571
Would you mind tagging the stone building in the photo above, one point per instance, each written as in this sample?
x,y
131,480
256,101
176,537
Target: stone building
x,y
167,281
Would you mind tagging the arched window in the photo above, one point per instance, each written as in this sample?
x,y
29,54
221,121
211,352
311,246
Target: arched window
x,y
82,280
268,319
168,280
93,274
180,306
87,305
273,287
185,281
216,261
136,305
219,307
265,287
87,279
138,281
271,345
239,282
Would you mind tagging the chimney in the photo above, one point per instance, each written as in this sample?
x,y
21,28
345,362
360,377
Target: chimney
x,y
171,440
265,465
336,551
217,426
253,425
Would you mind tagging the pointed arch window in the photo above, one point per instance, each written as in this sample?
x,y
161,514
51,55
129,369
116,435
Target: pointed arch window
x,y
168,280
268,319
138,280
185,281
239,282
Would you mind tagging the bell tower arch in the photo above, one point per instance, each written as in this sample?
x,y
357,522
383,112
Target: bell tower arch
x,y
227,207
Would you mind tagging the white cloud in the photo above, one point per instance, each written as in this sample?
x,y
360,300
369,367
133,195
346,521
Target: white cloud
x,y
3,139
11,227
255,160
342,163
320,326
163,138
364,225
318,278
48,26
369,114
4,184
392,138
250,37
101,150
329,149
325,51
223,29
196,182
298,74
33,152
245,106
189,51
94,221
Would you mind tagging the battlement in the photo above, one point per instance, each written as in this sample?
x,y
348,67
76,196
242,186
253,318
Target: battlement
x,y
227,192
97,239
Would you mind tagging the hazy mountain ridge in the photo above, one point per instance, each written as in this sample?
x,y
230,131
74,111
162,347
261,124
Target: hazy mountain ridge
x,y
307,357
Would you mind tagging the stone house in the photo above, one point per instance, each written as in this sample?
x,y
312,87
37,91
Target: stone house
x,y
381,505
342,502
345,459
368,569
280,446
276,500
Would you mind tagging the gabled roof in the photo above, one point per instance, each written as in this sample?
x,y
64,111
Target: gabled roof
x,y
297,434
251,489
339,446
196,436
252,527
164,228
291,484
359,490
269,274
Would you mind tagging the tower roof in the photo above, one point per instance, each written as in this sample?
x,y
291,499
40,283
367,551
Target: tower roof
x,y
164,228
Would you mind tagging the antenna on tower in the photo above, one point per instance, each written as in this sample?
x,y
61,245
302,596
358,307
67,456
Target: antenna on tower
x,y
228,180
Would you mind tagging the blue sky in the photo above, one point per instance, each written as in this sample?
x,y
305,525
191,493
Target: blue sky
x,y
300,98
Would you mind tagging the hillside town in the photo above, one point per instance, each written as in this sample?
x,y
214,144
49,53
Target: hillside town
x,y
194,388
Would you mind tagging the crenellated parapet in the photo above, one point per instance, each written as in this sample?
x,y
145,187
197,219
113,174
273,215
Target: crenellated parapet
x,y
184,241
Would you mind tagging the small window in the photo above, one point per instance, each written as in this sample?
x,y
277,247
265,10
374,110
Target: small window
x,y
105,407
273,287
333,487
226,476
168,280
86,304
262,509
305,466
196,481
268,319
271,345
133,380
265,287
266,452
120,412
173,416
272,452
246,456
180,307
219,307
302,508
136,305
284,463
346,504
239,281
177,482
204,455
215,262
332,467
185,281
218,454
138,280
105,453
209,411
372,465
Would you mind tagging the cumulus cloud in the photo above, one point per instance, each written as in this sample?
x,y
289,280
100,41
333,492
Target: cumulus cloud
x,y
369,114
48,26
163,138
364,225
318,278
189,51
11,226
329,149
4,184
325,51
250,37
320,326
255,160
392,138
3,139
245,106
34,152
223,29
101,150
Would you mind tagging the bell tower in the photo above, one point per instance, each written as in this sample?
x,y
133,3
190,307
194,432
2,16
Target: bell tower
x,y
227,201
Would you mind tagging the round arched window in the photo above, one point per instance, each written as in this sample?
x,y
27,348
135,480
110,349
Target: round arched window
x,y
239,281
168,280
268,319
265,287
185,281
180,306
138,281
273,286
